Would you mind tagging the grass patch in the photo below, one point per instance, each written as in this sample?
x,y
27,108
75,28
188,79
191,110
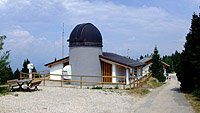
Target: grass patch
x,y
3,91
138,92
97,87
194,101
16,95
116,87
153,83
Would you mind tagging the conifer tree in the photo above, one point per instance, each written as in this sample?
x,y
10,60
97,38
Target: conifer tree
x,y
189,67
25,69
3,61
157,67
16,74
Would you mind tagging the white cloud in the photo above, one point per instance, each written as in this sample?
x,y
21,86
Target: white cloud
x,y
2,3
137,28
20,33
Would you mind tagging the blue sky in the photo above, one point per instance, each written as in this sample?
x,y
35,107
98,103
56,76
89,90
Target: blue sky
x,y
34,27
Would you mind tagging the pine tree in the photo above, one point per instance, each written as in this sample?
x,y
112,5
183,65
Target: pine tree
x,y
25,69
9,73
3,61
157,67
189,67
16,74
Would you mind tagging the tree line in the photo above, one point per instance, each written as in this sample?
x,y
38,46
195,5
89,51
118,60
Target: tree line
x,y
6,72
187,63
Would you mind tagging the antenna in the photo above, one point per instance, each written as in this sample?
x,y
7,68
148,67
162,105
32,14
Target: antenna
x,y
199,12
63,41
127,53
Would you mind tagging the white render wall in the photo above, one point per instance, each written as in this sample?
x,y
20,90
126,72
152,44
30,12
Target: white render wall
x,y
120,71
85,61
56,69
146,69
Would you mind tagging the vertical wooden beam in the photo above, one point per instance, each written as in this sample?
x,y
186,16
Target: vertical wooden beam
x,y
133,82
124,83
130,82
81,82
61,80
44,80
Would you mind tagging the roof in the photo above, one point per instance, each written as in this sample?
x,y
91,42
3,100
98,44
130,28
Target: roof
x,y
57,61
146,59
121,60
85,34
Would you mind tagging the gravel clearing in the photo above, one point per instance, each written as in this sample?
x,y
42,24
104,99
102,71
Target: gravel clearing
x,y
59,100
165,99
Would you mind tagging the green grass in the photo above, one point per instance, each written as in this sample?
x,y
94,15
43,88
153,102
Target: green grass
x,y
97,87
150,84
138,92
116,87
194,101
3,91
153,83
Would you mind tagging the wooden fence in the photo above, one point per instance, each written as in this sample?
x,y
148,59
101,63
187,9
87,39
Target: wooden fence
x,y
134,81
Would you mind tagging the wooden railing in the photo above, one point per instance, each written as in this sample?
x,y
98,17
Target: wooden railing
x,y
134,81
138,81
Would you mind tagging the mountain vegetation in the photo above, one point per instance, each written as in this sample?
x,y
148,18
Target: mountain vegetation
x,y
157,67
188,70
5,69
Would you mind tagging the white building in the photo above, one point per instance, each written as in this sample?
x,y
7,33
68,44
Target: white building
x,y
86,58
148,63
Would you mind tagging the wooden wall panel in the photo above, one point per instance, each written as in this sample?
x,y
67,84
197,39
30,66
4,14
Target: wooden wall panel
x,y
106,71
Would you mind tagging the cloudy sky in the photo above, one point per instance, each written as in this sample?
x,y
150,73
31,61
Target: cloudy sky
x,y
34,27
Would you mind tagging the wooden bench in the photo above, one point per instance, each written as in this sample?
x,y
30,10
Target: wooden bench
x,y
34,83
12,84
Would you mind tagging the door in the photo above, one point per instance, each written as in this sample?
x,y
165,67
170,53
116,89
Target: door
x,y
106,70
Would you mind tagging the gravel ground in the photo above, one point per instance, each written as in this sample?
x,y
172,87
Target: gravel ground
x,y
70,100
166,99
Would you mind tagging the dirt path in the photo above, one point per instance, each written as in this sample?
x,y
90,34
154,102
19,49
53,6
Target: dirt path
x,y
166,99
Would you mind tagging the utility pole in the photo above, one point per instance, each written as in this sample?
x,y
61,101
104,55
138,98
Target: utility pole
x,y
63,41
127,53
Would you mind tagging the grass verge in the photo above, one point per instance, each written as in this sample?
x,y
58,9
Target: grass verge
x,y
152,83
194,101
3,91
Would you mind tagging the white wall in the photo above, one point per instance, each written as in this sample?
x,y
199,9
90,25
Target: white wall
x,y
146,69
120,71
56,69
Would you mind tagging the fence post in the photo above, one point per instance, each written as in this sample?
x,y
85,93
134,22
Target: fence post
x,y
81,82
44,80
102,82
133,82
137,82
124,83
130,82
61,80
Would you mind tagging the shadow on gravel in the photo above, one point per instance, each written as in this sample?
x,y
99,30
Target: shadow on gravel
x,y
176,89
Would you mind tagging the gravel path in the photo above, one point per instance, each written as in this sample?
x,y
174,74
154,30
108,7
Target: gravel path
x,y
68,100
166,99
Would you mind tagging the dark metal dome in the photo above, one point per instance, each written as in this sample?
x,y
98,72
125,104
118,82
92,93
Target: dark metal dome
x,y
85,34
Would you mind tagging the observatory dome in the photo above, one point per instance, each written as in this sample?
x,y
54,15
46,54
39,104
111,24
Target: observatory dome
x,y
85,34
